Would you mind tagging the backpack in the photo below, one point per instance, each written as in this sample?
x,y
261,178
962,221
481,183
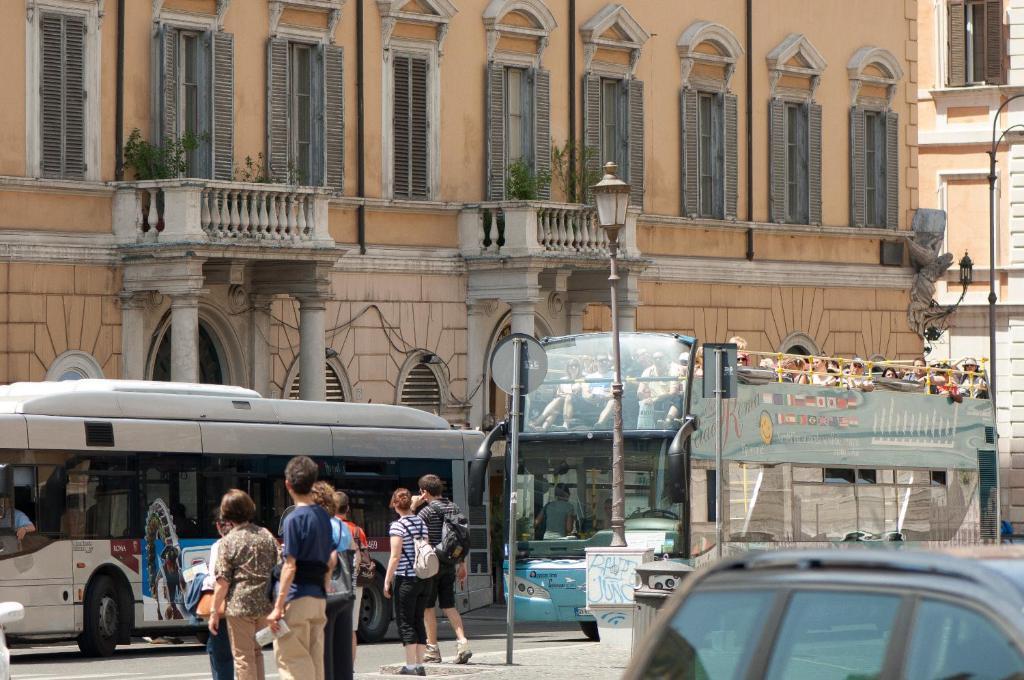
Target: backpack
x,y
455,539
425,561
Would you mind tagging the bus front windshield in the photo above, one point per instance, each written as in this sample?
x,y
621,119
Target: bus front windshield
x,y
576,394
565,495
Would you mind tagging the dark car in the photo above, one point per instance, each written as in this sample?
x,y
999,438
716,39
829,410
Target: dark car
x,y
844,615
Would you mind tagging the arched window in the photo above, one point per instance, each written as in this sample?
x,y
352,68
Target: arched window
x,y
422,386
74,365
799,343
335,385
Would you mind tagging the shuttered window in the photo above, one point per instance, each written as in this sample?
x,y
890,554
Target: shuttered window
x,y
975,42
305,113
335,391
519,115
795,162
613,124
410,127
62,96
710,163
518,125
421,389
189,95
874,169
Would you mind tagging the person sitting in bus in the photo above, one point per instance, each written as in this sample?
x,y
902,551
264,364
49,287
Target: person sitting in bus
x,y
820,374
558,517
15,520
856,379
561,404
655,392
973,383
917,375
600,383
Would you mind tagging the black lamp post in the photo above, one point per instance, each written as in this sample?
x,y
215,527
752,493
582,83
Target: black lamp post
x,y
934,332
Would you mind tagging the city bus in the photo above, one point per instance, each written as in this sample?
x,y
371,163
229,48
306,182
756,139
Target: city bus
x,y
805,465
120,480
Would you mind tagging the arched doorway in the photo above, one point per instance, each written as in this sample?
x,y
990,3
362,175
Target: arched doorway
x,y
211,358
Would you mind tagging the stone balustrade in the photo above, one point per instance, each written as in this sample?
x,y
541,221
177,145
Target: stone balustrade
x,y
162,211
531,228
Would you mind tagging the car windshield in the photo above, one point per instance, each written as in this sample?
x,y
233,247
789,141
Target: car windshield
x,y
576,393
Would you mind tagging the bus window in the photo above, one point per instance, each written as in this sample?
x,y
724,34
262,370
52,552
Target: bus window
x,y
839,476
173,480
99,498
221,473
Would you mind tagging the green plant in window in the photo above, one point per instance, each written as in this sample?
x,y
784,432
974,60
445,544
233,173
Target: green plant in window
x,y
522,183
167,161
569,168
253,171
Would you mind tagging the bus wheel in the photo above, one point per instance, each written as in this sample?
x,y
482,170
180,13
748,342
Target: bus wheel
x,y
374,612
589,629
102,618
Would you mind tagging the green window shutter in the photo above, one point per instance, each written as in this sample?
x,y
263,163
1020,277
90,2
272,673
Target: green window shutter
x,y
62,96
994,42
688,103
591,129
729,103
400,125
223,95
957,45
167,112
988,492
858,167
777,166
419,185
495,132
277,109
317,130
892,170
814,163
542,130
636,142
334,114
204,101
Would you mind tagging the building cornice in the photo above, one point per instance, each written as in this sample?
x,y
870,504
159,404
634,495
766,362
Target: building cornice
x,y
57,247
645,220
775,273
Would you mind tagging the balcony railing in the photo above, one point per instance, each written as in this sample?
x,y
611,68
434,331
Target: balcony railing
x,y
537,228
207,210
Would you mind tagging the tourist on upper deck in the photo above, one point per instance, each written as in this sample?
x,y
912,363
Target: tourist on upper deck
x,y
561,405
917,375
820,374
973,383
891,373
857,379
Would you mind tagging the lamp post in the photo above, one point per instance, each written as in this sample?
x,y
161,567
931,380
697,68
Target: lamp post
x,y
612,197
934,332
992,297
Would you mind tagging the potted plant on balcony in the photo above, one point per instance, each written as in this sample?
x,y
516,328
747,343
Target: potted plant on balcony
x,y
149,162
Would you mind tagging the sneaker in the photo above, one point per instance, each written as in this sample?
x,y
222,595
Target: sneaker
x,y
463,652
420,670
405,670
433,654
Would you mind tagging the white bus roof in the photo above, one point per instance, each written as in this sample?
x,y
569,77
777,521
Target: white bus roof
x,y
138,399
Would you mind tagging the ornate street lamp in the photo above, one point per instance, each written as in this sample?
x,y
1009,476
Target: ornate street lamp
x,y
612,197
934,332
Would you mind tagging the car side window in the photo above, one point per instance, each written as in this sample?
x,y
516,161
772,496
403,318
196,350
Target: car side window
x,y
950,641
711,637
833,635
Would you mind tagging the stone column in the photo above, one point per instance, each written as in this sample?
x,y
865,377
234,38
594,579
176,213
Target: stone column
x,y
478,330
259,347
627,317
523,315
133,339
576,312
312,348
185,337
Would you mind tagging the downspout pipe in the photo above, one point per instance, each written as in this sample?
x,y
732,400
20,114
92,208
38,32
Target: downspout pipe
x,y
750,110
119,96
572,103
360,129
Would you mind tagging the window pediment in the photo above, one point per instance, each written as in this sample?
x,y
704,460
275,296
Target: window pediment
x,y
797,58
435,13
518,18
87,6
873,66
616,29
280,28
709,44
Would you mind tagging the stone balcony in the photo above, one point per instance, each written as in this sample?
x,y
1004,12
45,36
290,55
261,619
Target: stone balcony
x,y
199,211
536,229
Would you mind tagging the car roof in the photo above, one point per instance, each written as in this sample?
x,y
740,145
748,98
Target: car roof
x,y
992,572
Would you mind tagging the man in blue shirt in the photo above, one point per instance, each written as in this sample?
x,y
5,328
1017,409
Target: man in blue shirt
x,y
301,595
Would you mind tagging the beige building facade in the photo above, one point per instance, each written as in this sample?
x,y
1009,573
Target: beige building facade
x,y
971,64
361,216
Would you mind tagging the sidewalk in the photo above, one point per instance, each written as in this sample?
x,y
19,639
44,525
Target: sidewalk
x,y
589,660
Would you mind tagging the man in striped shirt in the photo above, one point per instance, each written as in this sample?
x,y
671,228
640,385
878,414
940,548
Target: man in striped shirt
x,y
432,509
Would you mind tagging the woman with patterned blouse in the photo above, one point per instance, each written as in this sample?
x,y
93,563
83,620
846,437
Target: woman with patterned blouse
x,y
244,563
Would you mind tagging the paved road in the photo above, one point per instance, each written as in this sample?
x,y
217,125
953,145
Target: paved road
x,y
142,661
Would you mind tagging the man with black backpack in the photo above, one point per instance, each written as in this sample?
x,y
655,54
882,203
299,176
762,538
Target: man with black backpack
x,y
448,532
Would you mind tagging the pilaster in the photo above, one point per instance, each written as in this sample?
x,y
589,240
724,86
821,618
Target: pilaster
x,y
312,348
185,337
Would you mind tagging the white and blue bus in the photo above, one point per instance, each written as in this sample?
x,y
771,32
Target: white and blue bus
x,y
805,465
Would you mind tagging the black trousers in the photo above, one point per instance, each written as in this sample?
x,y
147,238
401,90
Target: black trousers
x,y
410,596
338,641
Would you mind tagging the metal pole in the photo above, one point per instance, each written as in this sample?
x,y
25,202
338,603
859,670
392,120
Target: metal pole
x,y
719,485
513,464
618,461
992,297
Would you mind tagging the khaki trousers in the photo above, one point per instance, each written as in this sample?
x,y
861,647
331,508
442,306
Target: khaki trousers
x,y
246,652
300,653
